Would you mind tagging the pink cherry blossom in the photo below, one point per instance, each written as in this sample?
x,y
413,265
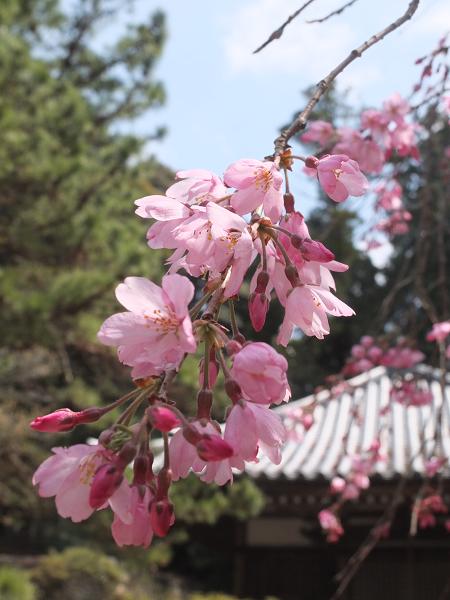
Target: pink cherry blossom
x,y
257,183
211,240
331,525
307,308
261,374
321,132
157,330
68,476
197,185
396,107
184,457
368,153
138,531
340,177
439,331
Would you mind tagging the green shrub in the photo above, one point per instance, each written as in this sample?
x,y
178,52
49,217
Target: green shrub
x,y
81,574
15,585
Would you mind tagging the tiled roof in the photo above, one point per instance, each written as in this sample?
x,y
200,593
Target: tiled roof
x,y
349,423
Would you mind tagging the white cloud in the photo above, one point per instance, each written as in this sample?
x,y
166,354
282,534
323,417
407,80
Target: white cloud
x,y
306,49
432,18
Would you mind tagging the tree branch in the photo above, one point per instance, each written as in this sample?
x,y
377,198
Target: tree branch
x,y
275,35
300,121
338,11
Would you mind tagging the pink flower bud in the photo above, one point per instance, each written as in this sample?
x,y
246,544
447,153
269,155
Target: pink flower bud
x,y
358,351
366,341
106,480
375,353
312,250
162,516
307,420
212,448
62,419
258,305
337,485
163,418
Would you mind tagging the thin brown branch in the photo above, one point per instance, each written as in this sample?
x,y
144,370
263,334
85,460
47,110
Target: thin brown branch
x,y
334,13
346,575
300,121
275,35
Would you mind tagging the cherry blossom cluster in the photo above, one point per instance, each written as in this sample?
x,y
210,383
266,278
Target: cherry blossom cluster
x,y
218,229
382,134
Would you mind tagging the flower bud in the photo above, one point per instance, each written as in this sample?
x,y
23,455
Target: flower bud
x,y
258,306
291,273
161,516
311,162
141,468
62,419
232,347
261,281
126,454
213,448
312,250
106,480
204,403
191,435
163,418
288,202
233,390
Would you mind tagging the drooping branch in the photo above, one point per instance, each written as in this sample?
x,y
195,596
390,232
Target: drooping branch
x,y
300,121
275,35
334,13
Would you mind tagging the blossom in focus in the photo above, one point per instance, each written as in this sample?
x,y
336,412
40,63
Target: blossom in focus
x,y
138,531
257,183
68,476
261,373
307,307
340,177
157,330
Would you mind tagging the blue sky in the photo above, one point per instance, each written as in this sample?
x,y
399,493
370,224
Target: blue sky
x,y
224,103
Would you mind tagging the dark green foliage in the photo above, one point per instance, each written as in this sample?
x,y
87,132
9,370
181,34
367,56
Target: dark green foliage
x,y
196,502
80,573
68,233
15,584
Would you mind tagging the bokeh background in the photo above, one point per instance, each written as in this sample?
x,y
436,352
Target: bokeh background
x,y
102,102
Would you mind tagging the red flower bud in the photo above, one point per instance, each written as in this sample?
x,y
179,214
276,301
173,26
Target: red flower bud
x,y
62,419
233,390
311,162
106,480
288,202
162,516
261,281
212,448
163,418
